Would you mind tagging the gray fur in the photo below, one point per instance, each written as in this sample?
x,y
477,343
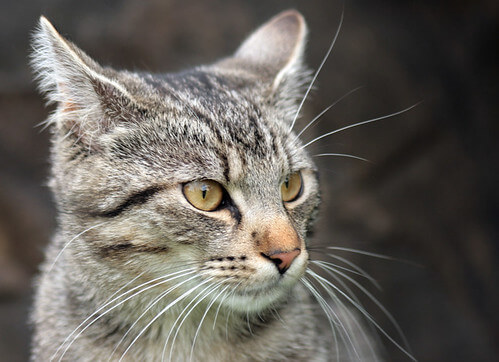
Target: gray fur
x,y
123,144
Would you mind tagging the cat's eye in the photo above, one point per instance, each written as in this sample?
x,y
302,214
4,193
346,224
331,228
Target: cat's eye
x,y
292,187
204,195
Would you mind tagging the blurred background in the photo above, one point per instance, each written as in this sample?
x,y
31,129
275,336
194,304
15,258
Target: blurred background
x,y
429,197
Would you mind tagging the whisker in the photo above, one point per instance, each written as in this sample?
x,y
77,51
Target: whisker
x,y
359,124
342,155
218,309
221,301
202,319
349,342
327,109
107,300
318,69
326,308
328,265
380,306
230,311
70,241
365,313
346,310
115,306
358,270
197,301
184,295
356,251
277,316
151,304
248,323
351,317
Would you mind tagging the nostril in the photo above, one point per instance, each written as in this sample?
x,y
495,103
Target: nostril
x,y
282,260
276,261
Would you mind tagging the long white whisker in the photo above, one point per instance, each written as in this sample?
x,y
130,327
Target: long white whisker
x,y
327,109
378,303
332,266
358,270
148,308
154,302
346,310
277,316
365,313
218,308
164,310
230,311
104,304
326,308
318,70
202,320
248,323
118,304
329,271
212,288
343,155
358,124
351,317
374,255
70,241
336,299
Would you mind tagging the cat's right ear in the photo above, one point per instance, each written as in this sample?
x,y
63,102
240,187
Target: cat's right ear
x,y
75,82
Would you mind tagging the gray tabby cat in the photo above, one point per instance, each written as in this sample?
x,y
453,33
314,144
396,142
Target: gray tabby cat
x,y
184,203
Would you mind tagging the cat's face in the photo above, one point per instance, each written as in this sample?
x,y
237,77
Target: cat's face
x,y
196,173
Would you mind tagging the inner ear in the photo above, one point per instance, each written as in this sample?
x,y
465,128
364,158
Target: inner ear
x,y
275,50
276,44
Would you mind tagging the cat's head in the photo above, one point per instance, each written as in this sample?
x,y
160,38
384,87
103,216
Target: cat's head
x,y
196,173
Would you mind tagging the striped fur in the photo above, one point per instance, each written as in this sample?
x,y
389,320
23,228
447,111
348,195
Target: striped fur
x,y
135,272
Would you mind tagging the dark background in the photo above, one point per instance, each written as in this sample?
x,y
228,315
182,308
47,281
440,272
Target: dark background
x,y
430,195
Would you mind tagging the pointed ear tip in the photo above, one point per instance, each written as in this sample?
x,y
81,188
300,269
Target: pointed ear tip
x,y
46,25
291,15
44,22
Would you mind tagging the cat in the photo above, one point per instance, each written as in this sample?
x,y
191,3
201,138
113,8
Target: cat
x,y
184,204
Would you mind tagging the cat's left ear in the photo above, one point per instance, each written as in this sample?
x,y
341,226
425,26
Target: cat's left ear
x,y
275,51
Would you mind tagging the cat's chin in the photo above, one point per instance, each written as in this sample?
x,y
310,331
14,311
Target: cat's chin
x,y
264,296
256,301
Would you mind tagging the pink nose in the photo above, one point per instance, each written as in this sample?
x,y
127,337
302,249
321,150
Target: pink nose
x,y
283,260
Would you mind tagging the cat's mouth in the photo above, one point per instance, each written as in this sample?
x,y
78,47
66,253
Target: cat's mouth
x,y
257,286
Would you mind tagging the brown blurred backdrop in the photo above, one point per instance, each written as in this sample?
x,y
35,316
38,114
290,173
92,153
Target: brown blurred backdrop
x,y
430,195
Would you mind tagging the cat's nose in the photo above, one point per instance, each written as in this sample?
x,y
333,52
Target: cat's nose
x,y
283,260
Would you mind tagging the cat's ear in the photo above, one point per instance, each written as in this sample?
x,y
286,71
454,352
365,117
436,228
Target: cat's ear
x,y
275,50
75,82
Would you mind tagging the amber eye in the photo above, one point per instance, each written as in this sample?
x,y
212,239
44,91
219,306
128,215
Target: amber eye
x,y
204,195
291,187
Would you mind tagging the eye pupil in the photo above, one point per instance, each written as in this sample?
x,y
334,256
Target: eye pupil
x,y
291,188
